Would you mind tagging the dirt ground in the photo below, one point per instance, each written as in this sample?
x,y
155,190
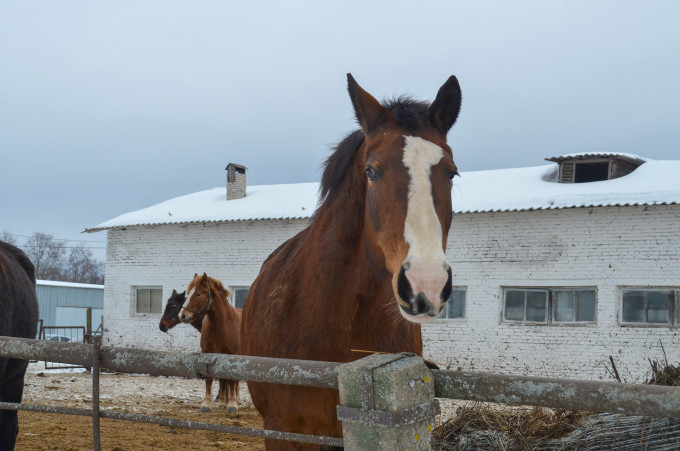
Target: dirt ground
x,y
159,396
149,395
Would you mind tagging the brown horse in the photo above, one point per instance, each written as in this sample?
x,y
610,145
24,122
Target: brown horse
x,y
370,267
220,333
170,319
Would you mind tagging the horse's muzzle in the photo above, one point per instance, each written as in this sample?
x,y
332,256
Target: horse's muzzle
x,y
432,293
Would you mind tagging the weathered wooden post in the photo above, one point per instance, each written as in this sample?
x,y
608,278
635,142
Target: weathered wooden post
x,y
387,403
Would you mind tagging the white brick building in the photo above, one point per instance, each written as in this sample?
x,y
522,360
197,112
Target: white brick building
x,y
551,278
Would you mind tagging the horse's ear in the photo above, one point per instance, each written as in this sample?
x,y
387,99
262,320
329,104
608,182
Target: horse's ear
x,y
174,292
195,274
367,109
445,108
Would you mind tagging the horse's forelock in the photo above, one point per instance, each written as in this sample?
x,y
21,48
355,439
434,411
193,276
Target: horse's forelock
x,y
409,113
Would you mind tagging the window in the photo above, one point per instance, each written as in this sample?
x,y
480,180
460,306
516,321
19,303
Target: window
x,y
550,305
455,307
653,307
240,295
526,305
573,306
591,171
148,299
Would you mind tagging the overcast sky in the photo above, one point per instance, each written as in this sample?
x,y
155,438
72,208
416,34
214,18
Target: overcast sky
x,y
109,107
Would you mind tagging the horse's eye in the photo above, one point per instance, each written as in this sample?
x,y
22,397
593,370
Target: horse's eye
x,y
452,175
372,175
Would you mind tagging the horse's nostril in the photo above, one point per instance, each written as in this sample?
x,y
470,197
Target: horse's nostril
x,y
404,288
448,287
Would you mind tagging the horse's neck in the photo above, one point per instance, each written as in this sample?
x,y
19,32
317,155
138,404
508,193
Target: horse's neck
x,y
338,230
221,311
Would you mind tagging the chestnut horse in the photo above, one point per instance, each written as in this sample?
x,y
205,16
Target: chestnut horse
x,y
170,319
18,318
370,268
220,333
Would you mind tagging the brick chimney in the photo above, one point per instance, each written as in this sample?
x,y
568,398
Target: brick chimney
x,y
236,181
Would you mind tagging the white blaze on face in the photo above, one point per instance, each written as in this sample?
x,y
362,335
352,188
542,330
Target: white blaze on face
x,y
426,264
183,312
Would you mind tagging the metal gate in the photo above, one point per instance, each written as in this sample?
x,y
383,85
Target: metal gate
x,y
63,334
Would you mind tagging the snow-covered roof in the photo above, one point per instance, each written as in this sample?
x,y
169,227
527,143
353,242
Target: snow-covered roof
x,y
54,283
533,188
293,201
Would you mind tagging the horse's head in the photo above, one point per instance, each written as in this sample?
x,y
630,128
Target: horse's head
x,y
408,168
170,316
198,298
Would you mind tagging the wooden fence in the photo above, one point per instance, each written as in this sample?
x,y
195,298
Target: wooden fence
x,y
387,401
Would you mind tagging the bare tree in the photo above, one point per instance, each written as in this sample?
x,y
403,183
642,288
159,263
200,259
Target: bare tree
x,y
8,238
47,255
82,267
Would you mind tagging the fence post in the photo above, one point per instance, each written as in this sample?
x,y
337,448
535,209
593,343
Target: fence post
x,y
96,359
387,403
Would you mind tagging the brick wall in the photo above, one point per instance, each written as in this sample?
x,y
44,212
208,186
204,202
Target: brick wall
x,y
168,256
604,248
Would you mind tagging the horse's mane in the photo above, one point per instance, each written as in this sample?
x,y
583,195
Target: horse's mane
x,y
409,113
219,287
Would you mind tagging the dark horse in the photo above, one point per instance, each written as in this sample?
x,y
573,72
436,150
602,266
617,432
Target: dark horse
x,y
370,267
18,318
220,333
170,316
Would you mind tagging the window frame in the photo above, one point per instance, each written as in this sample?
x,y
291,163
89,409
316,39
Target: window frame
x,y
526,290
553,303
460,318
551,306
584,163
673,307
233,289
135,300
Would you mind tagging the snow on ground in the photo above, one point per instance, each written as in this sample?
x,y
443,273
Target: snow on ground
x,y
135,392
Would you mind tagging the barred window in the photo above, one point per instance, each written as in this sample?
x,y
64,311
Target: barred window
x,y
455,307
650,307
240,295
550,305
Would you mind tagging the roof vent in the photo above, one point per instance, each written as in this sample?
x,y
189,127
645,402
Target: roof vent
x,y
236,181
595,167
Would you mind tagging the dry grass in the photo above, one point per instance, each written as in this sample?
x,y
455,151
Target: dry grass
x,y
524,428
488,426
664,373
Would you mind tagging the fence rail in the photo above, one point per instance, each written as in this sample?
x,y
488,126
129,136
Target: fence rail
x,y
613,397
593,396
193,365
